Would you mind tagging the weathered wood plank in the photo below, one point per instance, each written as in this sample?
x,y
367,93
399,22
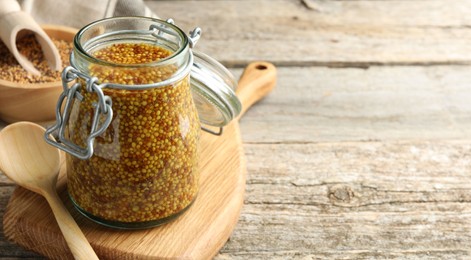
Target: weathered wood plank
x,y
355,201
347,33
315,104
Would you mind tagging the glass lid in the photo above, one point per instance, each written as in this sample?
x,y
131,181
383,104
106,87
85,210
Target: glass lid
x,y
213,89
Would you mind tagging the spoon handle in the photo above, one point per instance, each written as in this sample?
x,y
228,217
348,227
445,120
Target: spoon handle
x,y
76,240
258,79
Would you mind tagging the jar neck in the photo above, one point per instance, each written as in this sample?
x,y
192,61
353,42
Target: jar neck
x,y
134,30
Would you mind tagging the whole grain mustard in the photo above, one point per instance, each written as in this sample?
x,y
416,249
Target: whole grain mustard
x,y
145,166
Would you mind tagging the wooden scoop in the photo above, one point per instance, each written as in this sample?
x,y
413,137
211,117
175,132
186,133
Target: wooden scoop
x,y
15,24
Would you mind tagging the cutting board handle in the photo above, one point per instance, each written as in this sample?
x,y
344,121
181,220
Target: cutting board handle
x,y
258,79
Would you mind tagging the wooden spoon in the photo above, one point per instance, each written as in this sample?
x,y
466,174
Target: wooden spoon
x,y
33,164
14,23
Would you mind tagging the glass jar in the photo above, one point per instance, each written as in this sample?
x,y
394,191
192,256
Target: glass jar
x,y
130,126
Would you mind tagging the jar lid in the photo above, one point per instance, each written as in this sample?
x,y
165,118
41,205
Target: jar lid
x,y
213,89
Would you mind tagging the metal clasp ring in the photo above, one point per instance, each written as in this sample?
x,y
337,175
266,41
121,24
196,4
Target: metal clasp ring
x,y
103,107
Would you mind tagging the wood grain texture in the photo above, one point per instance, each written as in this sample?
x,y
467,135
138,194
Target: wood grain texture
x,y
355,200
316,104
341,33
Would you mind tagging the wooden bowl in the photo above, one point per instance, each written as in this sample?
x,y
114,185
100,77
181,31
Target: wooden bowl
x,y
33,102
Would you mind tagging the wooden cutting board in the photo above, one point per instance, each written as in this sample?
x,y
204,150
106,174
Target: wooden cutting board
x,y
198,234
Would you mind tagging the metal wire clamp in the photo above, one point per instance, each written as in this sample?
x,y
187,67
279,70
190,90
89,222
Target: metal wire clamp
x,y
69,95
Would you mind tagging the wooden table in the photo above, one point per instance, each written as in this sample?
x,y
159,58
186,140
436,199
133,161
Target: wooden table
x,y
363,150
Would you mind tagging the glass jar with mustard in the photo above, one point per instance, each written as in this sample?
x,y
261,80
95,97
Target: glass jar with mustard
x,y
130,116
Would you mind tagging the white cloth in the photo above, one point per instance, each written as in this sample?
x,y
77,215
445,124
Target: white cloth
x,y
78,13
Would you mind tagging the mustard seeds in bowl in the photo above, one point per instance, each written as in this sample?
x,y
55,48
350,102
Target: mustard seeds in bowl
x,y
24,97
11,70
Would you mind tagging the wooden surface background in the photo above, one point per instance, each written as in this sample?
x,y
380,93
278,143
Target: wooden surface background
x,y
363,150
